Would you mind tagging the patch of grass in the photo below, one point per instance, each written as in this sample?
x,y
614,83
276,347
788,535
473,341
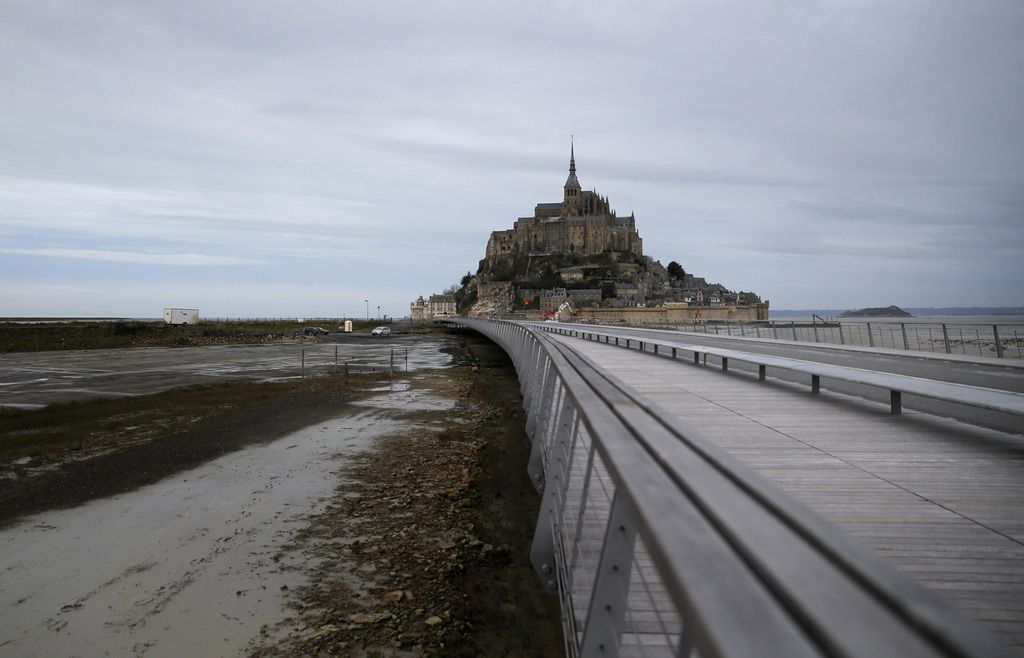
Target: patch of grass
x,y
88,335
98,425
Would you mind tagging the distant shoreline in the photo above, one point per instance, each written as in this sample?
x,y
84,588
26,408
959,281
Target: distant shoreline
x,y
926,311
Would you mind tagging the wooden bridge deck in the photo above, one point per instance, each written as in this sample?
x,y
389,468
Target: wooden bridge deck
x,y
940,499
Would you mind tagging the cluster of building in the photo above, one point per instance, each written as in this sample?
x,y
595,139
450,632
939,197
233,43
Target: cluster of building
x,y
436,306
633,295
578,254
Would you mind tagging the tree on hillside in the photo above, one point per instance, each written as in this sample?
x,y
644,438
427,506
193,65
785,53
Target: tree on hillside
x,y
466,279
676,270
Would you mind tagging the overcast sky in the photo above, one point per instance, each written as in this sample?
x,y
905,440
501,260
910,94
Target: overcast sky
x,y
297,158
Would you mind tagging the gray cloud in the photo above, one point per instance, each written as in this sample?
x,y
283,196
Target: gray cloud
x,y
376,146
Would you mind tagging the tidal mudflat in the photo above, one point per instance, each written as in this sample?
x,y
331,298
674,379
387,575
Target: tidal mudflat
x,y
181,567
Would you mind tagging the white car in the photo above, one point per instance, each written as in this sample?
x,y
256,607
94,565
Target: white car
x,y
381,331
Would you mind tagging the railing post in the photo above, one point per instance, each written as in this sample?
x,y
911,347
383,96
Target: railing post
x,y
792,325
999,345
842,341
871,339
815,384
761,372
895,402
542,551
541,400
607,614
536,467
903,328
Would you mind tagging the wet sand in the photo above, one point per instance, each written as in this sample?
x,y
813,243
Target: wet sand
x,y
181,567
35,379
258,551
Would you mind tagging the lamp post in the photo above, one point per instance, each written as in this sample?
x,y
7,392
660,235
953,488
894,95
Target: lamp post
x,y
367,309
378,311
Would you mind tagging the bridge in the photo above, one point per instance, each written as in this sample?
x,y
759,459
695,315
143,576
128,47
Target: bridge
x,y
714,496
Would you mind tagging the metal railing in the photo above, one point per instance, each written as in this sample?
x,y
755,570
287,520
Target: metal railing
x,y
896,384
658,543
989,340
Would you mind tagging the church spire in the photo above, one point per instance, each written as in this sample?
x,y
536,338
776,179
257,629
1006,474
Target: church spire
x,y
571,182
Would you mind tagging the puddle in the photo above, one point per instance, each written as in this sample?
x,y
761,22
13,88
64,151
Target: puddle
x,y
182,567
406,400
400,385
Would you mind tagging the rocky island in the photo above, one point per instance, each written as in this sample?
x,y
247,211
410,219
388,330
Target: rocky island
x,y
887,312
578,258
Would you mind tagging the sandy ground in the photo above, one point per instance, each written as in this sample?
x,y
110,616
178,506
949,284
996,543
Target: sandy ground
x,y
34,379
252,551
182,567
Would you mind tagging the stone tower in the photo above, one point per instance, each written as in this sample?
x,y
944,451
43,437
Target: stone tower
x,y
571,191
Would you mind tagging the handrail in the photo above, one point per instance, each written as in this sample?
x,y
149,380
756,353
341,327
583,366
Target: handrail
x,y
655,538
897,384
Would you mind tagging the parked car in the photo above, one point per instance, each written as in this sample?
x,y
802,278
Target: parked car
x,y
381,331
311,331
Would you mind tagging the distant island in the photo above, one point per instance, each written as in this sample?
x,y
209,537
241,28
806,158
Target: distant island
x,y
578,259
886,312
916,311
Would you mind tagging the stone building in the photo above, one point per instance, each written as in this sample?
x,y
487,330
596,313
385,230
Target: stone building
x,y
441,306
583,223
418,309
550,300
437,306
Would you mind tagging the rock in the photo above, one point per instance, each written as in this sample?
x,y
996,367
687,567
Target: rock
x,y
369,618
432,621
391,598
326,629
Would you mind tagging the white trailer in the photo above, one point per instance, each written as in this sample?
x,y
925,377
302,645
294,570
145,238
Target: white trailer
x,y
181,315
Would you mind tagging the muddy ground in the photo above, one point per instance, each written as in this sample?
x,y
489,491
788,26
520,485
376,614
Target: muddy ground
x,y
75,482
423,551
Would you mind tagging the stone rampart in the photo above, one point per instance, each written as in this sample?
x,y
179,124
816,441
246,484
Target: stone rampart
x,y
672,315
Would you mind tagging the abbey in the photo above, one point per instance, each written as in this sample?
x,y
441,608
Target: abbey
x,y
577,257
583,223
